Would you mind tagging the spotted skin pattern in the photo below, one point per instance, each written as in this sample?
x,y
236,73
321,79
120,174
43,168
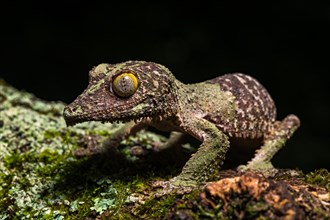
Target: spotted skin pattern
x,y
217,111
256,111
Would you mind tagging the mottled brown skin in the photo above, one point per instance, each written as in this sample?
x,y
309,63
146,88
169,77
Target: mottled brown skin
x,y
230,107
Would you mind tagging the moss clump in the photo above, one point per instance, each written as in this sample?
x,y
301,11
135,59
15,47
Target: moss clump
x,y
156,208
319,177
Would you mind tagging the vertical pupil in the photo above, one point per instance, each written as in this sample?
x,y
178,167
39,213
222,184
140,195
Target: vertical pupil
x,y
124,83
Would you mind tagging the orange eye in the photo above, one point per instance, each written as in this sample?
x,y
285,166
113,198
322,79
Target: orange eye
x,y
125,84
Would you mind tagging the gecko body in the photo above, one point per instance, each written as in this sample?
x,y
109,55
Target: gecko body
x,y
218,111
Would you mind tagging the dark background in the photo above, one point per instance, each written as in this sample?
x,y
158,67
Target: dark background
x,y
48,49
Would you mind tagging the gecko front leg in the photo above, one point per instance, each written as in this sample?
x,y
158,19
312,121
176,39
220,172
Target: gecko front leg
x,y
208,157
113,142
123,133
174,139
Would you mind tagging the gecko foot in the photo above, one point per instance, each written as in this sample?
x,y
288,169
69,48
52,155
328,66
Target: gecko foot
x,y
266,169
174,186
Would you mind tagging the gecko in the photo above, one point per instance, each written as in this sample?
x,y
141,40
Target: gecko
x,y
229,108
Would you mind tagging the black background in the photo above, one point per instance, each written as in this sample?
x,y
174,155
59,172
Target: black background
x,y
48,49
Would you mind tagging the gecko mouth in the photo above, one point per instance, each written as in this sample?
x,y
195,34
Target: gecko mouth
x,y
75,114
72,119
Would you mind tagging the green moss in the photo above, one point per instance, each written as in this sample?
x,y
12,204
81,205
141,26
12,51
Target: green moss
x,y
156,208
253,210
319,177
160,208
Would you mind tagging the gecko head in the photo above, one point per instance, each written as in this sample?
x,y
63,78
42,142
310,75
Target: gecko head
x,y
127,91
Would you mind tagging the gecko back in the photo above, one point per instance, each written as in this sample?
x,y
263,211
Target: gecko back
x,y
255,112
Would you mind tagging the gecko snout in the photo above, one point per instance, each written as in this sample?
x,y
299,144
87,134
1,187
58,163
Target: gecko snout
x,y
70,114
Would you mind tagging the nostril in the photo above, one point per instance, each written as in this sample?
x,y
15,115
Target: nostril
x,y
67,111
71,111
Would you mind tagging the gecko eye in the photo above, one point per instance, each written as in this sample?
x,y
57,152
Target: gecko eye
x,y
125,84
